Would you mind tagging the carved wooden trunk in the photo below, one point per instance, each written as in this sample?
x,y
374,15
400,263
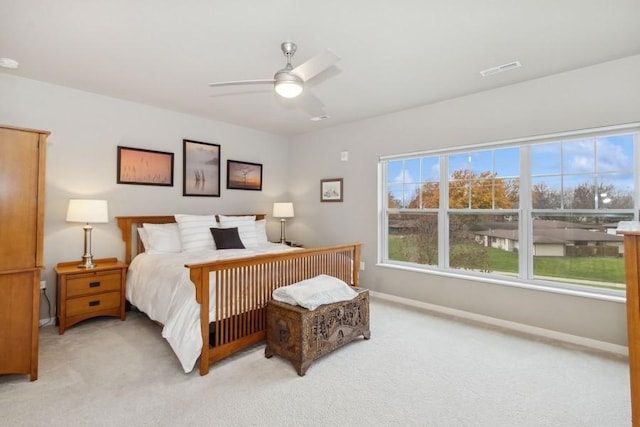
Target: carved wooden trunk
x,y
301,336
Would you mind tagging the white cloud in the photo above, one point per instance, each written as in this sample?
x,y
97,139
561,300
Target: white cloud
x,y
403,176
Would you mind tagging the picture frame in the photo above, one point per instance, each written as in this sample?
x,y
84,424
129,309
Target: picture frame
x,y
244,175
331,190
140,166
201,168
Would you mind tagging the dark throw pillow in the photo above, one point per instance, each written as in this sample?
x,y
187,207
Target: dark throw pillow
x,y
227,238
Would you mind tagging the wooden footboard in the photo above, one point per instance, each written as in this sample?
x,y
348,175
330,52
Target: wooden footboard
x,y
244,286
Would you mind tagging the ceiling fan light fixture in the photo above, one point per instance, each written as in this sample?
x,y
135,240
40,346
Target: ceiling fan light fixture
x,y
288,89
289,82
288,85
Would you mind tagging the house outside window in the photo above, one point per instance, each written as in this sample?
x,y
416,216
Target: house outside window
x,y
542,211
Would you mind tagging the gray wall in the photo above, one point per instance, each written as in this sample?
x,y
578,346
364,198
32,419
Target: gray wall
x,y
600,95
82,156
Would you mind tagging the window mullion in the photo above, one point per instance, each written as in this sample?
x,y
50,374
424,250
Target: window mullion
x,y
383,213
443,217
525,230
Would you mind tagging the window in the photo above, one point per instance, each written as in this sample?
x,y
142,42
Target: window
x,y
543,211
413,198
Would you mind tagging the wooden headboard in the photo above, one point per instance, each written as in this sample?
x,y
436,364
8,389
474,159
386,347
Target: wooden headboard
x,y
129,224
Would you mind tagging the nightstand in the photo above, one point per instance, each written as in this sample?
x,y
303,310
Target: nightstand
x,y
85,293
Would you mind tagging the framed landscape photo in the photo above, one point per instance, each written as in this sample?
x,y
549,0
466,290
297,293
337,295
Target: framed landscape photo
x,y
331,190
201,169
244,175
144,167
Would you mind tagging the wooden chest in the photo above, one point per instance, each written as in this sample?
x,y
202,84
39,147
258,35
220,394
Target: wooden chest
x,y
301,336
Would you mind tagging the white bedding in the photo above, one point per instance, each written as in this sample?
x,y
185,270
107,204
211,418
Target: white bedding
x,y
159,285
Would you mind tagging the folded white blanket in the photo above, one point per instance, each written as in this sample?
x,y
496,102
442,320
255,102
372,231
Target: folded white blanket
x,y
314,292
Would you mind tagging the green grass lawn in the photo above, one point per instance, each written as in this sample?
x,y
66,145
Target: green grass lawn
x,y
599,269
602,269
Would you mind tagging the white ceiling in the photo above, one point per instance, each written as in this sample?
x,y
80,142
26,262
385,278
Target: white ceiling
x,y
395,55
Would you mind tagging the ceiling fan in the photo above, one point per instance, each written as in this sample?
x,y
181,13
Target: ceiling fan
x,y
289,82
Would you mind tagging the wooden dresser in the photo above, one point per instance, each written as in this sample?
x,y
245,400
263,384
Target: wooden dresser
x,y
22,163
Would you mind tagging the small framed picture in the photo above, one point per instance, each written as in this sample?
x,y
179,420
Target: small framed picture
x,y
331,190
144,167
244,175
201,171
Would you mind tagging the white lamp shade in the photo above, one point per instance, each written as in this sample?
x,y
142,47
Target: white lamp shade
x,y
283,210
88,211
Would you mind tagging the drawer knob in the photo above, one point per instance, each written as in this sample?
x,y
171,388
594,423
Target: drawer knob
x,y
94,303
94,284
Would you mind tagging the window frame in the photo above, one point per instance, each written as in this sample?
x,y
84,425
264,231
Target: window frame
x,y
525,277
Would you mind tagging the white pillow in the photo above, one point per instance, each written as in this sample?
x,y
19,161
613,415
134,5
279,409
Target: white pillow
x,y
246,218
162,238
246,228
144,238
261,232
195,231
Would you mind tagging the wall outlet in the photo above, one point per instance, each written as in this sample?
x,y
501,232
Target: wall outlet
x,y
361,265
43,284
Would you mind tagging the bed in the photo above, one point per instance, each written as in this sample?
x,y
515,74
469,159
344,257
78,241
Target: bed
x,y
212,302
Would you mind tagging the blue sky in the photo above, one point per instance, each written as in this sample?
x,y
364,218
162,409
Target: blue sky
x,y
612,156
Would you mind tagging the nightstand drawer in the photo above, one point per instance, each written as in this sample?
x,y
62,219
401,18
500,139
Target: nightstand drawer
x,y
94,283
93,303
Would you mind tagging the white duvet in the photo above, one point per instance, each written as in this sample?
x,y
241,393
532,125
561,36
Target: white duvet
x,y
159,285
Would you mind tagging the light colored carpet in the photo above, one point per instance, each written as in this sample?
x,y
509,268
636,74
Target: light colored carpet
x,y
418,369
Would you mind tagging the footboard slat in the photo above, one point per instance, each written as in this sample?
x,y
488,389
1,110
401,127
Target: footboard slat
x,y
242,288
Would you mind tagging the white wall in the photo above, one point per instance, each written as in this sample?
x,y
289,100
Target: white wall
x,y
600,95
82,155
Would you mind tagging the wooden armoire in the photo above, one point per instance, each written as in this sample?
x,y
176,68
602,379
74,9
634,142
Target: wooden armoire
x,y
22,162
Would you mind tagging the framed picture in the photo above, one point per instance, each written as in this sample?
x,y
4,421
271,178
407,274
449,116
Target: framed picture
x,y
331,190
201,169
144,167
244,175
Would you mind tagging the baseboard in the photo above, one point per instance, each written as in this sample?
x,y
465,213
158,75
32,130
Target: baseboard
x,y
514,326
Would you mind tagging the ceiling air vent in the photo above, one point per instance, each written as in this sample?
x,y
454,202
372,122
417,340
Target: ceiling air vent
x,y
500,68
8,63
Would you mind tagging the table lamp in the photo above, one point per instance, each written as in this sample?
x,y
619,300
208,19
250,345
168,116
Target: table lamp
x,y
283,210
87,211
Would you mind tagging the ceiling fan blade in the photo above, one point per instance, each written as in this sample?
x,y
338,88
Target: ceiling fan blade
x,y
316,65
311,105
242,82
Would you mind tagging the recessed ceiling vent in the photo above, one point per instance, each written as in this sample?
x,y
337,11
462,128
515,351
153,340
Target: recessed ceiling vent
x,y
8,63
500,68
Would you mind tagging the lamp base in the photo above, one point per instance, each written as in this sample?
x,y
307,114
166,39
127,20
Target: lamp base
x,y
87,262
87,258
283,238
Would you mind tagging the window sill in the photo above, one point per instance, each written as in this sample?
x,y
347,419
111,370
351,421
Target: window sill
x,y
604,295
